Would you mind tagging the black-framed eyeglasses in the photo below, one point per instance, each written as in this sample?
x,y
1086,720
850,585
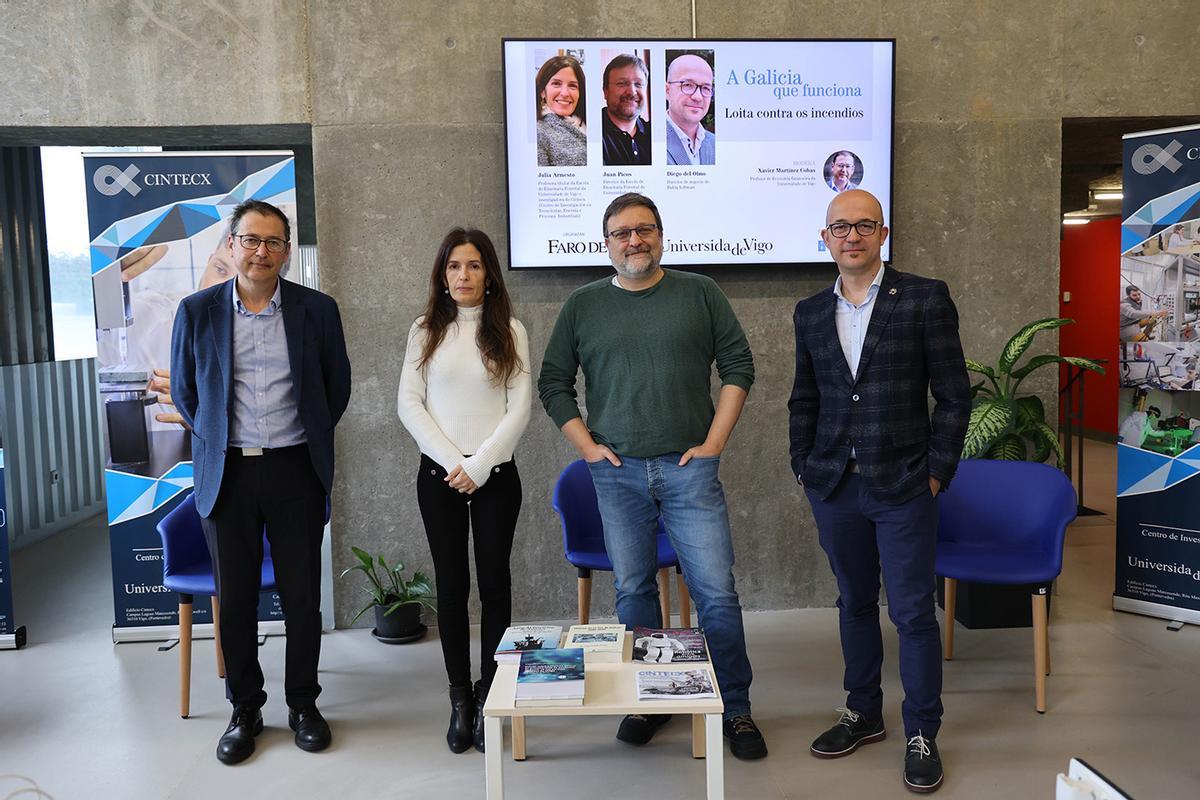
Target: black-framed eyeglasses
x,y
251,242
643,232
841,230
689,88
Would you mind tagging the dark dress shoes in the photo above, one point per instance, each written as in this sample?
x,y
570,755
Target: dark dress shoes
x,y
237,744
851,731
640,728
481,693
312,731
922,765
745,739
460,734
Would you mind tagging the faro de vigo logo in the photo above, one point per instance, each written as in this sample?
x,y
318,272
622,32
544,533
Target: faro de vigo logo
x,y
110,180
1150,158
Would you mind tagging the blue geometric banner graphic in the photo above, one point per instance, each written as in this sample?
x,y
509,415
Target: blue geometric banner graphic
x,y
159,230
1158,455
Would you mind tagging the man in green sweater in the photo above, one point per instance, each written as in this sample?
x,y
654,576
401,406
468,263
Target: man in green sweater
x,y
646,340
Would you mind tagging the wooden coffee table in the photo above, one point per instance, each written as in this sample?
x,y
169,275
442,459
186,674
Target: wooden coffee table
x,y
610,690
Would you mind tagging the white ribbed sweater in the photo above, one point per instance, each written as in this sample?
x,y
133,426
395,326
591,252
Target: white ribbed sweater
x,y
452,408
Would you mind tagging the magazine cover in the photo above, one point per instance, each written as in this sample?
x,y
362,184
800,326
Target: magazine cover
x,y
599,642
518,639
685,684
669,645
551,674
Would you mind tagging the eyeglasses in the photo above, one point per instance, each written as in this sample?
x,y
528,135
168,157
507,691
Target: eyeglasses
x,y
689,88
250,242
643,231
841,230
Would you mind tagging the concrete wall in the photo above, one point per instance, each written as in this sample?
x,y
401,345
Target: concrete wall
x,y
405,104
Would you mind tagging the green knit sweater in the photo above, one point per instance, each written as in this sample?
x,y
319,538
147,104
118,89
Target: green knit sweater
x,y
647,360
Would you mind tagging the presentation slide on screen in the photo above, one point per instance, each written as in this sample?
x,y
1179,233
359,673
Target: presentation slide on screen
x,y
742,144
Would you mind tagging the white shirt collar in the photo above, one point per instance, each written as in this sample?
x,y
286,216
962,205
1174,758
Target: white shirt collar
x,y
875,284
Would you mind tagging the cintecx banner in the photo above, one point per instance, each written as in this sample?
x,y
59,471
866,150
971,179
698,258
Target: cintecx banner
x,y
1158,460
158,224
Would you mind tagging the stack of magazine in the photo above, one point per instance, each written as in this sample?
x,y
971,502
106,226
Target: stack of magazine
x,y
550,678
600,643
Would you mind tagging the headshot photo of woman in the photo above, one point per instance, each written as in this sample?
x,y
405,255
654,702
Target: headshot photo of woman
x,y
465,398
561,113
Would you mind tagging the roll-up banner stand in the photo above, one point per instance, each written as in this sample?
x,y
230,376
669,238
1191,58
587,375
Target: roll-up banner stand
x,y
1158,457
11,636
158,224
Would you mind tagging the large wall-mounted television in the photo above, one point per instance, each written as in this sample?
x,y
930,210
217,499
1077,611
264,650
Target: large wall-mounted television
x,y
741,143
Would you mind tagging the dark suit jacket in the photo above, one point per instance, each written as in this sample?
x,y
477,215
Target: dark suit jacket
x,y
202,376
911,349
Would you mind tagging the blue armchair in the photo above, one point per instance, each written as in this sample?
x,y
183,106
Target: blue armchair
x,y
1005,522
188,570
583,544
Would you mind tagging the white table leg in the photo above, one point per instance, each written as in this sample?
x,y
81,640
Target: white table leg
x,y
714,765
493,745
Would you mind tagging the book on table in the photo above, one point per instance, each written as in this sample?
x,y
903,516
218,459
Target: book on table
x,y
551,677
600,643
675,684
669,645
518,639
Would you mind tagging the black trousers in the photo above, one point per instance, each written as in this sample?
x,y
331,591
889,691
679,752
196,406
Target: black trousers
x,y
281,491
491,514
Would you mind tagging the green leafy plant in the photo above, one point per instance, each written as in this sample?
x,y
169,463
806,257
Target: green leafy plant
x,y
386,586
1006,426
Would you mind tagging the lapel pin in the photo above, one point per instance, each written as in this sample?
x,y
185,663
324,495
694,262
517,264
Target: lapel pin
x,y
892,290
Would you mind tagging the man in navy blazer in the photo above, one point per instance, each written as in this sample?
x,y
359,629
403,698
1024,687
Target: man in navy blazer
x,y
260,375
869,351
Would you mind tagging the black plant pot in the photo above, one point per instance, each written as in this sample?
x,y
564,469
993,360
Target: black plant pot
x,y
399,627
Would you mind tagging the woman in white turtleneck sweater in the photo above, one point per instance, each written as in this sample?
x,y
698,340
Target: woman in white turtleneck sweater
x,y
465,397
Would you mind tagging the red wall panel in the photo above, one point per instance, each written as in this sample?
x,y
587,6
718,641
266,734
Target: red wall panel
x,y
1090,257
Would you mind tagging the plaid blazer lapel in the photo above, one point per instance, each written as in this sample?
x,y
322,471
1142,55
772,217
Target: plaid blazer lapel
x,y
885,301
832,345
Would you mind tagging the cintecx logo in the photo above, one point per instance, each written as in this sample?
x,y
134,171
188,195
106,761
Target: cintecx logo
x,y
110,180
1150,158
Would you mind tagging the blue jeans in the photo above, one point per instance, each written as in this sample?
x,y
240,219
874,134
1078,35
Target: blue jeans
x,y
692,504
862,535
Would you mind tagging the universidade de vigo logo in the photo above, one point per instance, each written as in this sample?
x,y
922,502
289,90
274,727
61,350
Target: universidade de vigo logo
x,y
110,180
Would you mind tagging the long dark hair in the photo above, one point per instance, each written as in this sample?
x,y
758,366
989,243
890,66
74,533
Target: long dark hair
x,y
495,338
551,68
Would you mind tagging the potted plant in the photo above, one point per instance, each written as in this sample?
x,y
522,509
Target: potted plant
x,y
397,602
1004,425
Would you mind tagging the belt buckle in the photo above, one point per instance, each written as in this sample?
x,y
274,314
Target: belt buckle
x,y
252,451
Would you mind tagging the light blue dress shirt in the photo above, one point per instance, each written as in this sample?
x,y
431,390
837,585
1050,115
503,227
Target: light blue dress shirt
x,y
265,413
852,321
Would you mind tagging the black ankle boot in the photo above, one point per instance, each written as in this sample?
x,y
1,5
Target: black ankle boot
x,y
481,693
462,718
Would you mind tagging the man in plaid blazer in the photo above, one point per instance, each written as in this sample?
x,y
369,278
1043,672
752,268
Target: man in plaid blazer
x,y
869,351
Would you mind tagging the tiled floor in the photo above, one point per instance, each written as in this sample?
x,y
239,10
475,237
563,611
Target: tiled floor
x,y
87,719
